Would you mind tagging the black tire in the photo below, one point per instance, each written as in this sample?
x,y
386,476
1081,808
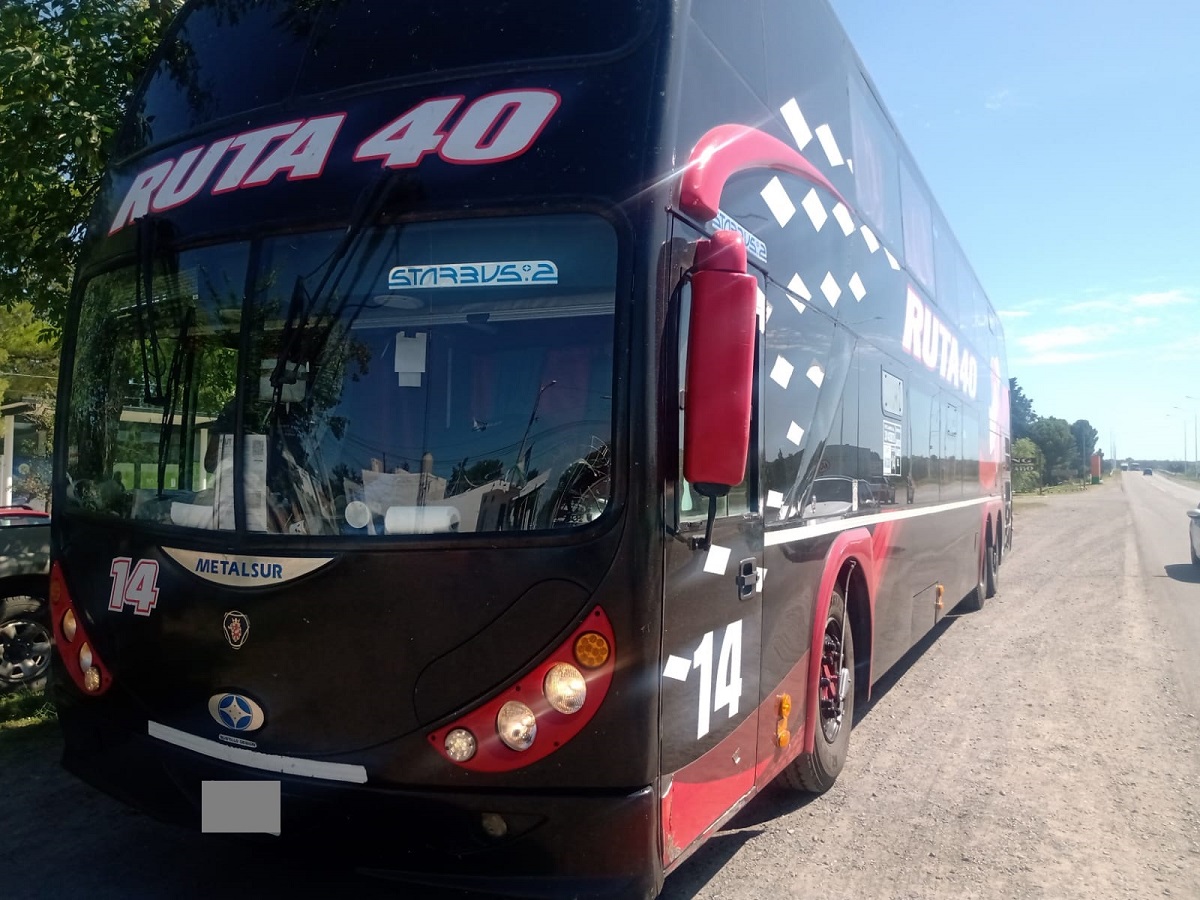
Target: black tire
x,y
974,601
1195,558
26,642
991,568
817,771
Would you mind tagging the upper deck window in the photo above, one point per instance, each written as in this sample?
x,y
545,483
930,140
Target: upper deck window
x,y
228,57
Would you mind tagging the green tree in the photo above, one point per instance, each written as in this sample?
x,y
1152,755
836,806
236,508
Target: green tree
x,y
1085,443
28,363
65,70
1020,410
1054,439
1024,481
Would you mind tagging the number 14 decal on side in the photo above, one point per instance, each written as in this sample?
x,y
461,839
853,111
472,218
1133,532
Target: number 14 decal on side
x,y
137,588
727,691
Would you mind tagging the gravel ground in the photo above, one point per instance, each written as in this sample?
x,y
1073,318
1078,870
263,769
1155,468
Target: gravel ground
x,y
1039,748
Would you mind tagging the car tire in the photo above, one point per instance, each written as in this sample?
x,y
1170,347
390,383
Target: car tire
x,y
26,642
816,772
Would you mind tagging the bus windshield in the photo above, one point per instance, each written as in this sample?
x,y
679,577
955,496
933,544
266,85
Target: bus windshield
x,y
434,377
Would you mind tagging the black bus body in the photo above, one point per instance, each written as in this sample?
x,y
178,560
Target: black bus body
x,y
397,421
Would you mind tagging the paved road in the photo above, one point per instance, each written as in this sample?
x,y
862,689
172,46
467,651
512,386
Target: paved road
x,y
1043,747
1159,505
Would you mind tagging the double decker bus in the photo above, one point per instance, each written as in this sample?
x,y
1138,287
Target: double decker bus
x,y
509,436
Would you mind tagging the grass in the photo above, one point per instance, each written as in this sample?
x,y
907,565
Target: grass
x,y
23,709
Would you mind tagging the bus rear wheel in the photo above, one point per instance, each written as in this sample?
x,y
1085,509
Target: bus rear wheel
x,y
992,568
816,772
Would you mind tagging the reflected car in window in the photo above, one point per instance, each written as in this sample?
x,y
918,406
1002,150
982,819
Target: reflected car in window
x,y
883,488
837,496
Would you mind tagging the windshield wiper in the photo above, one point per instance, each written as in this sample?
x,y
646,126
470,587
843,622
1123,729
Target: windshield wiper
x,y
303,307
144,302
171,401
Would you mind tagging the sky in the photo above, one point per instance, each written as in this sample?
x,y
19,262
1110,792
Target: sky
x,y
1061,139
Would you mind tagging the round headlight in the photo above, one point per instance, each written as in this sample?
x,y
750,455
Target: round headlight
x,y
85,657
69,625
516,725
565,688
460,745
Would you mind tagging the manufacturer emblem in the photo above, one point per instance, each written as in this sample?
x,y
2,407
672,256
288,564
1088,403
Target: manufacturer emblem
x,y
236,712
237,628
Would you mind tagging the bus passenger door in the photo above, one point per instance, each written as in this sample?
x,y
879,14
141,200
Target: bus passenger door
x,y
712,628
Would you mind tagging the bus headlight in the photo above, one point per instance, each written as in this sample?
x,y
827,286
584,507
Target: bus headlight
x,y
516,725
460,745
69,625
565,688
85,657
591,650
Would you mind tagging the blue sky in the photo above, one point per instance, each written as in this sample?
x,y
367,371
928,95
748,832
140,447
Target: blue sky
x,y
1062,140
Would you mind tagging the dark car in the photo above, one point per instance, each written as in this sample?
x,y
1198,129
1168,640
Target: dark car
x,y
1147,471
883,488
25,636
1194,534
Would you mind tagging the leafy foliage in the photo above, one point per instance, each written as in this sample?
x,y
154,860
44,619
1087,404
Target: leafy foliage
x,y
1023,481
65,70
1085,443
28,364
1020,410
1053,437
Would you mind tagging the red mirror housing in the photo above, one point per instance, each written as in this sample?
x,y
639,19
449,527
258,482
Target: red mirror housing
x,y
719,386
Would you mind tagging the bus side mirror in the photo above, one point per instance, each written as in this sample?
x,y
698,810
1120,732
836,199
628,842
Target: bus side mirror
x,y
719,387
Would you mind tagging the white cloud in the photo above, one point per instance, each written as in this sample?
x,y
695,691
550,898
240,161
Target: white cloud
x,y
1092,306
998,99
1053,339
1061,357
1163,298
1004,98
1013,313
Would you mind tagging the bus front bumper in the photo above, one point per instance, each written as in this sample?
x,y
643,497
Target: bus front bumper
x,y
515,844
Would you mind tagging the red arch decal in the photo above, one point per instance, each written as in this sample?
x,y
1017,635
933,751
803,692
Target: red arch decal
x,y
728,149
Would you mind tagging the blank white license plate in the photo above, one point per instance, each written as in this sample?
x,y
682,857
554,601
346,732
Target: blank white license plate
x,y
239,807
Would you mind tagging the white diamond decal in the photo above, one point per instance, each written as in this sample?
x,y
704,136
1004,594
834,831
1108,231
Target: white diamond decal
x,y
816,374
856,287
795,434
801,133
774,499
891,259
816,211
677,668
829,145
717,560
799,288
764,310
780,204
830,289
781,372
869,237
843,218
